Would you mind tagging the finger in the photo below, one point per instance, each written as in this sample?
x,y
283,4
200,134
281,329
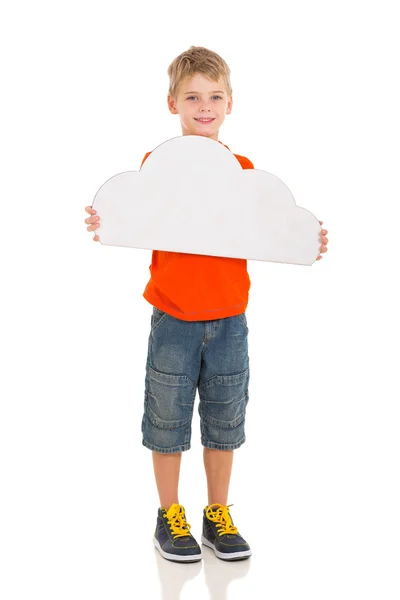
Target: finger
x,y
90,210
92,219
324,240
96,238
93,227
324,231
319,257
320,222
324,249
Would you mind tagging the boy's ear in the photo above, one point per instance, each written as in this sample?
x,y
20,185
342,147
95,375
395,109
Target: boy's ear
x,y
172,105
229,107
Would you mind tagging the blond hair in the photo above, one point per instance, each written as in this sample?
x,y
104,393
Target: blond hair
x,y
197,60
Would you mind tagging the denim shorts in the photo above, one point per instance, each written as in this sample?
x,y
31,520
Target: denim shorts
x,y
183,356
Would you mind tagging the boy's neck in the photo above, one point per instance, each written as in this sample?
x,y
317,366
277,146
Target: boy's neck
x,y
214,136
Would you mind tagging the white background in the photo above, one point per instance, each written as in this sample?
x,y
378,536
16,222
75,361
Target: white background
x,y
316,486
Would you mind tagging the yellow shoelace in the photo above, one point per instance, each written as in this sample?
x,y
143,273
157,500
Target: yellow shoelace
x,y
177,520
222,518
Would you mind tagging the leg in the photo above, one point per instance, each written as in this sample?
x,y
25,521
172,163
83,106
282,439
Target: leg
x,y
219,532
172,370
218,466
172,536
223,392
166,472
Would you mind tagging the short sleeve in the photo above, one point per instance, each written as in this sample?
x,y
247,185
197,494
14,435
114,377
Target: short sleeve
x,y
145,157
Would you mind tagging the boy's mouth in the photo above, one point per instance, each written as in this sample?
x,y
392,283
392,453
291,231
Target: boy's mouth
x,y
204,121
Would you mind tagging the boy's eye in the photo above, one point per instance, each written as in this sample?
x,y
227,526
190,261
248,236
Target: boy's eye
x,y
191,97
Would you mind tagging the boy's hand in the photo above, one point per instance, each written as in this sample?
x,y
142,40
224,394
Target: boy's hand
x,y
94,222
324,242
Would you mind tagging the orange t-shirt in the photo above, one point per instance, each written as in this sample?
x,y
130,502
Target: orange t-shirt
x,y
196,287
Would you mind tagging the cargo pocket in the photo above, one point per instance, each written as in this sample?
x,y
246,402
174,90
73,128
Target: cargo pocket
x,y
222,408
168,409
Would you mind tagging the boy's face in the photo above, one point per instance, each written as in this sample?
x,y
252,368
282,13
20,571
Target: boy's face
x,y
202,105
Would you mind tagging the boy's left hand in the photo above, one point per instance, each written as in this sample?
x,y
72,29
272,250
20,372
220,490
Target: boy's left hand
x,y
324,242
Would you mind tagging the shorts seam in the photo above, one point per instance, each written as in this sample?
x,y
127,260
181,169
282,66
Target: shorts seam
x,y
169,377
225,379
216,446
162,424
175,449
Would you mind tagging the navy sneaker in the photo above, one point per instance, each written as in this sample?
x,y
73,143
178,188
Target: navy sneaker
x,y
221,535
172,537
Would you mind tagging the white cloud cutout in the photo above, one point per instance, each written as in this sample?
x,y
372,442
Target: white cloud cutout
x,y
192,195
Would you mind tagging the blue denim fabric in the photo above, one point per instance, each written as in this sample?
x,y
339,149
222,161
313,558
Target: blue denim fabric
x,y
183,356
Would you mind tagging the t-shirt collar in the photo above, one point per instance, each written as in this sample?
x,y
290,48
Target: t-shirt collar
x,y
225,145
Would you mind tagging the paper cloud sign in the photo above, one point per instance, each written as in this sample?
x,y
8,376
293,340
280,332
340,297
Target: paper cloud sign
x,y
192,195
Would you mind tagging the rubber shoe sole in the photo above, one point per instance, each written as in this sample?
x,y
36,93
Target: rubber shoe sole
x,y
177,557
225,555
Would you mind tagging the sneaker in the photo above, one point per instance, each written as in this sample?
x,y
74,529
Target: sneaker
x,y
221,535
172,537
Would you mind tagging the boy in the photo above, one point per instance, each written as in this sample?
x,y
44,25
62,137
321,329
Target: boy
x,y
198,339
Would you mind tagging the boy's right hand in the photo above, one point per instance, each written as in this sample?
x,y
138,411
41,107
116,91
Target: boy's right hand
x,y
94,222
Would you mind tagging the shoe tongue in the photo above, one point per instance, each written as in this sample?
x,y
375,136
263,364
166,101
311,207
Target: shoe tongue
x,y
174,509
215,507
